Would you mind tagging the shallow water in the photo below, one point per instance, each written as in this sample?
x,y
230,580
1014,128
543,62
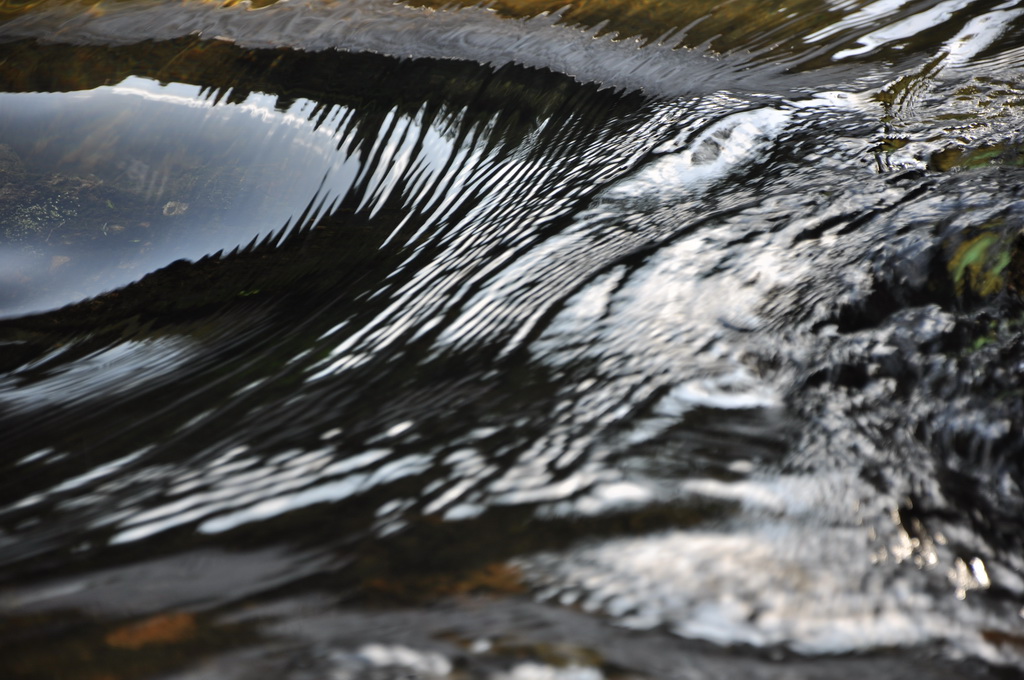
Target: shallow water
x,y
365,340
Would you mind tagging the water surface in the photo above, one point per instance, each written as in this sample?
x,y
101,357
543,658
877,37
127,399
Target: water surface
x,y
484,343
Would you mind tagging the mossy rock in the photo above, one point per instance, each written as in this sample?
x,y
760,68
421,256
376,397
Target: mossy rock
x,y
1007,153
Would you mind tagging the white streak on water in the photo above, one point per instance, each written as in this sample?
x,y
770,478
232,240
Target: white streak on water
x,y
978,33
794,570
907,28
332,491
863,16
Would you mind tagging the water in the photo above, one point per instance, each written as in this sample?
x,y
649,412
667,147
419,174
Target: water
x,y
449,343
168,179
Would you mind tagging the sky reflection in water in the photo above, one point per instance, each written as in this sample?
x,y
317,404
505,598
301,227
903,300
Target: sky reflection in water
x,y
204,178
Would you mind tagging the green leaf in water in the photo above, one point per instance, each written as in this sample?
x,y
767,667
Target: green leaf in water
x,y
978,267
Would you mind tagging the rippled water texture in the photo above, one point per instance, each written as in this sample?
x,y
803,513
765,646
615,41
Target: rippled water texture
x,y
621,340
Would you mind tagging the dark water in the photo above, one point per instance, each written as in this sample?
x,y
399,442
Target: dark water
x,y
371,341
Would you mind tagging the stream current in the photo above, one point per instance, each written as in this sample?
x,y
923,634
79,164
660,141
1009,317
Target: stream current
x,y
362,340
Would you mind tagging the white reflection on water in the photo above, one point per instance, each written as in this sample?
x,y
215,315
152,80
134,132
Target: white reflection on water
x,y
112,371
861,17
804,566
979,33
913,25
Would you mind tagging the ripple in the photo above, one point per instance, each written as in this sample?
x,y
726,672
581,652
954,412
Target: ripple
x,y
736,358
396,30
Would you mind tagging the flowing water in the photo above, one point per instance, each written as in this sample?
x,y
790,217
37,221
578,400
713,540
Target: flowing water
x,y
622,340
